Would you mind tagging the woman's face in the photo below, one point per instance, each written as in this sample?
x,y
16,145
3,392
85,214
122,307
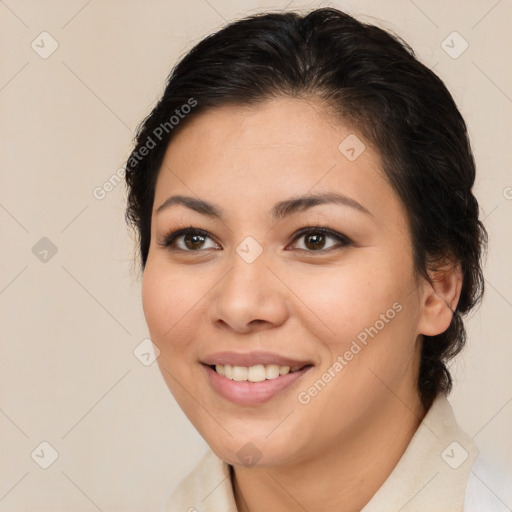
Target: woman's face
x,y
342,308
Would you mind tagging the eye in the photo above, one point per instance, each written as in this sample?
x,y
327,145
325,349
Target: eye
x,y
194,239
188,240
315,239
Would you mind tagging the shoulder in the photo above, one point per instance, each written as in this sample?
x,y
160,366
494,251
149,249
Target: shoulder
x,y
207,488
489,488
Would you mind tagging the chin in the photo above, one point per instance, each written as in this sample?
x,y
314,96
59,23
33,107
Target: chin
x,y
254,451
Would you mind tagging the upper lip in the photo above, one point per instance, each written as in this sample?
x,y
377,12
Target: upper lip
x,y
252,359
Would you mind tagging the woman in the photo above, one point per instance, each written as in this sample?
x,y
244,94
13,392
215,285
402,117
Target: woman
x,y
309,241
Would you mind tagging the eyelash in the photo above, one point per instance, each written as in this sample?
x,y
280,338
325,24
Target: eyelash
x,y
170,238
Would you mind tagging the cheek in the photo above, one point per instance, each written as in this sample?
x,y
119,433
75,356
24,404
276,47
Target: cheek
x,y
167,299
367,314
170,301
347,300
372,346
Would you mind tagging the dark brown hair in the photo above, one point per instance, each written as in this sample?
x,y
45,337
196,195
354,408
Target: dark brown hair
x,y
373,80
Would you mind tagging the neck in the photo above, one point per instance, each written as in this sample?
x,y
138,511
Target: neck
x,y
344,477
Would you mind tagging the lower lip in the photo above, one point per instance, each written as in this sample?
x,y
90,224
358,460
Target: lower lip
x,y
251,393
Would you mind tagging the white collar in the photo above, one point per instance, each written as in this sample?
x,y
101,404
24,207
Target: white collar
x,y
432,473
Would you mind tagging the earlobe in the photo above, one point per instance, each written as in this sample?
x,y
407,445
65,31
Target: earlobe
x,y
440,299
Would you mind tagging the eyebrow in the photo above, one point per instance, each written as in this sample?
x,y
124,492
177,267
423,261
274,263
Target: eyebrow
x,y
280,210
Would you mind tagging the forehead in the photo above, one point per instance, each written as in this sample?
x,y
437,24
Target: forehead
x,y
268,152
281,127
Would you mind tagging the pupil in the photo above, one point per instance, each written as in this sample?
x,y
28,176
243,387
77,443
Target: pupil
x,y
316,238
197,240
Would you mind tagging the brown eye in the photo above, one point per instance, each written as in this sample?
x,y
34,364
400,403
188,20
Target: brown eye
x,y
193,242
316,239
189,240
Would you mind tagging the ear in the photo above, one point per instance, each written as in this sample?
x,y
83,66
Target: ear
x,y
440,298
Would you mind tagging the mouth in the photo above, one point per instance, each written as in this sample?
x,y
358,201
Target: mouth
x,y
256,383
256,373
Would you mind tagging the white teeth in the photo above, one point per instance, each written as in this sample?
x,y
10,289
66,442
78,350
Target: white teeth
x,y
240,373
272,371
228,371
257,373
283,370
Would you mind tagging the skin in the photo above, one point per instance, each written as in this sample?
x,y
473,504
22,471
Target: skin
x,y
307,304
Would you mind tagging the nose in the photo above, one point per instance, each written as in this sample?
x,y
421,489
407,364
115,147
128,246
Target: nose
x,y
249,298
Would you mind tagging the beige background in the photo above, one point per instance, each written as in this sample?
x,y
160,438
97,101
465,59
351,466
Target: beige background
x,y
69,325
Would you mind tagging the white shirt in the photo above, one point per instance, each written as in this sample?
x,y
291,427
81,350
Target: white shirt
x,y
440,471
488,489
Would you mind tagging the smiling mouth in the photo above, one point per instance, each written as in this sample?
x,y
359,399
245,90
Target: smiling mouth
x,y
256,373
